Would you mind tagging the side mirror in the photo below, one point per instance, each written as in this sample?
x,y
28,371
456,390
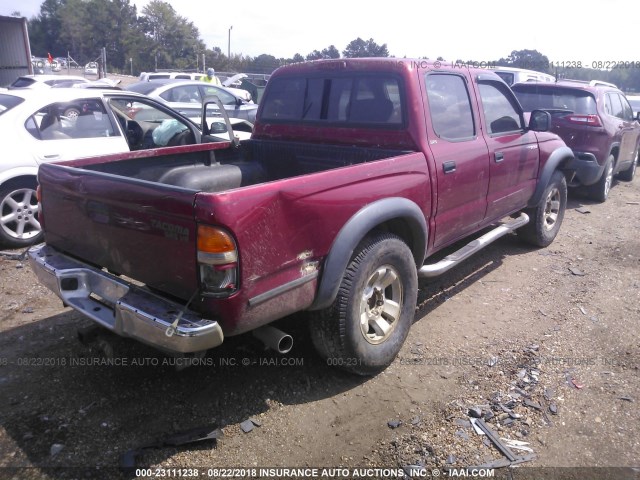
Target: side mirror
x,y
637,116
540,121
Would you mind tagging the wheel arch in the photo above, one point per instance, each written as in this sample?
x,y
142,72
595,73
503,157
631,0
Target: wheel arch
x,y
615,151
557,160
395,215
23,175
19,174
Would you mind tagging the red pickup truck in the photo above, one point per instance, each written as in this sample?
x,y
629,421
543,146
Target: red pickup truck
x,y
357,174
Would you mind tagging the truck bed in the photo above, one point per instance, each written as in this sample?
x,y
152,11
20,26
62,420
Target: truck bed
x,y
135,216
255,161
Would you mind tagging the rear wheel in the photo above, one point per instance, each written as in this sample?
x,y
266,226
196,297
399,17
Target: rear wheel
x,y
19,226
364,329
630,172
547,216
600,190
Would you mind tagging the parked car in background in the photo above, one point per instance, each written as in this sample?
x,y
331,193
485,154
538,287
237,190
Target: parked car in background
x,y
91,68
45,81
35,130
634,101
147,76
596,121
232,84
186,97
513,75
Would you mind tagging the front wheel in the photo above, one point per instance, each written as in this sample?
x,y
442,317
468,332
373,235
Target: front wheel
x,y
364,329
630,172
547,216
19,226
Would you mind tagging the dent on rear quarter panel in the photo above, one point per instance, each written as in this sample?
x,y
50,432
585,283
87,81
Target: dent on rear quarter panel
x,y
277,224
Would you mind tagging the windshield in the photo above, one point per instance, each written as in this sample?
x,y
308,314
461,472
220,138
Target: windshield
x,y
7,102
534,97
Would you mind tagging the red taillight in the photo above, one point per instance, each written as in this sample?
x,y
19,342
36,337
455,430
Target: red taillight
x,y
589,120
40,217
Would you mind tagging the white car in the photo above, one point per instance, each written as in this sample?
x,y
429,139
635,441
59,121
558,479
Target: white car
x,y
91,68
34,130
229,83
186,97
46,81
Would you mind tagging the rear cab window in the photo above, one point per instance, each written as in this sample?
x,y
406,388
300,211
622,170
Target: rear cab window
x,y
367,99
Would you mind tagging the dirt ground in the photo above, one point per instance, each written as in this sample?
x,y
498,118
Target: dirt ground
x,y
544,344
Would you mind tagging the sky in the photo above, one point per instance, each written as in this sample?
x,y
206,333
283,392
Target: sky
x,y
568,31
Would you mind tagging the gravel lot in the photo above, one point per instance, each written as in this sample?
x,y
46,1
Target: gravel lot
x,y
543,344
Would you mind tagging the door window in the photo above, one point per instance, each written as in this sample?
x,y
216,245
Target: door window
x,y
627,111
500,113
615,105
85,118
450,106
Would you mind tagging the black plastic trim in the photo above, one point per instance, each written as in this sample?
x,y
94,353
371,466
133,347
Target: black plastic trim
x,y
356,228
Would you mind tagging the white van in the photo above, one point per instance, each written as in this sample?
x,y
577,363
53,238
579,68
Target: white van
x,y
512,75
146,76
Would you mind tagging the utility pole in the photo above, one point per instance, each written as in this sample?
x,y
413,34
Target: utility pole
x,y
229,44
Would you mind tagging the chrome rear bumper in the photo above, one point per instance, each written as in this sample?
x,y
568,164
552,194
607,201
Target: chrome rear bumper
x,y
122,307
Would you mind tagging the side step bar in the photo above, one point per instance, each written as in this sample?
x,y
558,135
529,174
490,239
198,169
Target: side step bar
x,y
450,261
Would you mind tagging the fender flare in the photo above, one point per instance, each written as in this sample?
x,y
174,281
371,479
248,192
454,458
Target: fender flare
x,y
355,229
559,156
25,171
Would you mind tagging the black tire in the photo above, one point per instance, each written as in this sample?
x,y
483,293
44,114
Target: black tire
x,y
630,172
338,333
546,218
599,191
19,226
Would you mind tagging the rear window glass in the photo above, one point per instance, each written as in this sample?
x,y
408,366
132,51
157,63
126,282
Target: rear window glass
x,y
22,82
7,102
366,99
533,97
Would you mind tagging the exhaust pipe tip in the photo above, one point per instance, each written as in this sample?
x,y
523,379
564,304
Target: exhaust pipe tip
x,y
274,338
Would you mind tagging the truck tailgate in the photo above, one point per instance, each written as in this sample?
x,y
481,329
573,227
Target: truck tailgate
x,y
131,227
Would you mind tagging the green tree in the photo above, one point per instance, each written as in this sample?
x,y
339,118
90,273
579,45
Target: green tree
x,y
527,59
265,63
330,52
175,40
315,55
45,29
362,48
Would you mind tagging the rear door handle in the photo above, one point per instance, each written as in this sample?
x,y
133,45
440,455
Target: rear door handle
x,y
449,167
499,157
55,155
